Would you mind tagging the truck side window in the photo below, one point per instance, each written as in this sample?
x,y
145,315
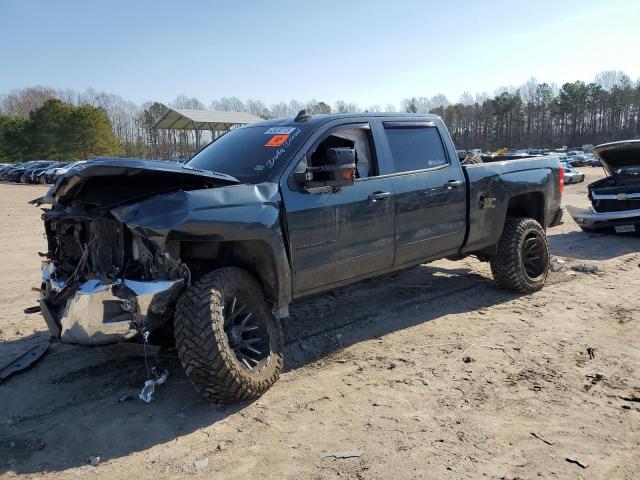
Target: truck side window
x,y
357,138
415,148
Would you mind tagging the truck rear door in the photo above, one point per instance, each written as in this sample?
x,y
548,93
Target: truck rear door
x,y
429,187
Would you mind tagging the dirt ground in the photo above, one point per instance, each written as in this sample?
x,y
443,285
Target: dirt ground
x,y
430,373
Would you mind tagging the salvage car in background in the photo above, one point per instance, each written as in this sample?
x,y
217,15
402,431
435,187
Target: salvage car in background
x,y
46,176
615,199
577,160
31,175
571,175
52,176
14,174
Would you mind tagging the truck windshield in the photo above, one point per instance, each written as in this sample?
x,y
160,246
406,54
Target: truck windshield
x,y
250,154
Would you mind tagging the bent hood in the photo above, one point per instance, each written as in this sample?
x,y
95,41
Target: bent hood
x,y
617,155
107,182
233,212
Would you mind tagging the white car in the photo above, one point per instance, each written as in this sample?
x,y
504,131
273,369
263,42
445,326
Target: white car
x,y
571,175
62,170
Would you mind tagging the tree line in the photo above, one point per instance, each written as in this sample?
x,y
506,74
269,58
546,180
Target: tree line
x,y
40,122
58,131
545,116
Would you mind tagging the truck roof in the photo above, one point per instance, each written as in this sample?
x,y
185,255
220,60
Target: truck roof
x,y
319,119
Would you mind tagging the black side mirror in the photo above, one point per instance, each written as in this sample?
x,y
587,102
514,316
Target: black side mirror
x,y
338,171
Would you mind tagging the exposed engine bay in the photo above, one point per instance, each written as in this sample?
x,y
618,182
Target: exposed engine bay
x,y
616,193
615,199
102,281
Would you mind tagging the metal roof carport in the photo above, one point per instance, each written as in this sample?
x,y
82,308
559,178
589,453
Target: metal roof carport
x,y
184,119
198,120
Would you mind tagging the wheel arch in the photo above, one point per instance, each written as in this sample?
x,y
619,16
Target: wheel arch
x,y
529,205
255,256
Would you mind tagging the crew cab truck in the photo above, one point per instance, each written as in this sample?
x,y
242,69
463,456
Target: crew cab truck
x,y
216,250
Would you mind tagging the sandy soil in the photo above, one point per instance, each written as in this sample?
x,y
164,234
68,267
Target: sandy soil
x,y
431,373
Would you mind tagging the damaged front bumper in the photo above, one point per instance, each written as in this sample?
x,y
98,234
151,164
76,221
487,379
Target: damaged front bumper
x,y
100,311
587,218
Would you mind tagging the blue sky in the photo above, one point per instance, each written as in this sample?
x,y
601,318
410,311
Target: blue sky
x,y
369,52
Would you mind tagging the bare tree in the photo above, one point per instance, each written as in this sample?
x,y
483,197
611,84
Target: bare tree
x,y
466,99
608,79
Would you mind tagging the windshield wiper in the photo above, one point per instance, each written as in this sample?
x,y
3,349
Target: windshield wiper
x,y
211,173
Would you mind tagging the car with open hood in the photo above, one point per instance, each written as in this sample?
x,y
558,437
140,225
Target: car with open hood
x,y
615,199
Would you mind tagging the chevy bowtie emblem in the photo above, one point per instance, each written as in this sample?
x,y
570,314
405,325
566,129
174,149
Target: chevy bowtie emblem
x,y
621,196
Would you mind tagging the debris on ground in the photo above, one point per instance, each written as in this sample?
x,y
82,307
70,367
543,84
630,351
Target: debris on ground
x,y
125,397
24,359
577,462
391,365
540,436
585,268
557,265
591,352
94,460
146,394
201,463
632,398
467,359
342,454
595,378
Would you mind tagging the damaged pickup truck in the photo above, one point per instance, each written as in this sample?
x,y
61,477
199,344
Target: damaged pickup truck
x,y
615,199
214,251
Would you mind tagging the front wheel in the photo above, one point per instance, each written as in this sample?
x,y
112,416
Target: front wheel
x,y
229,343
521,263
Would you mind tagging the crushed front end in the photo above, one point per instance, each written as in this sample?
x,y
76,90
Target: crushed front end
x,y
102,280
102,283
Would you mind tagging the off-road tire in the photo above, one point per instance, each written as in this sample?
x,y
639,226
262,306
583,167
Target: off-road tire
x,y
203,345
471,159
508,266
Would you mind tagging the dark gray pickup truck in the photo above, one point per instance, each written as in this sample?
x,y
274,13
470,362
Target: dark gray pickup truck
x,y
215,251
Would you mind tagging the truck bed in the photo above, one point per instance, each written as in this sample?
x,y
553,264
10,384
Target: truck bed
x,y
492,185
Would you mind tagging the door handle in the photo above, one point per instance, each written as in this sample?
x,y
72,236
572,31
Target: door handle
x,y
453,184
375,196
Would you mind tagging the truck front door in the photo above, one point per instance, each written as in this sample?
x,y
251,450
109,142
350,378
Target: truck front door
x,y
430,192
343,234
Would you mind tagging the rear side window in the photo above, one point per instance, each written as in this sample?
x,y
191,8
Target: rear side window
x,y
415,148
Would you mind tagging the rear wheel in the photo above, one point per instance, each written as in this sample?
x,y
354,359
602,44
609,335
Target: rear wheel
x,y
522,261
228,341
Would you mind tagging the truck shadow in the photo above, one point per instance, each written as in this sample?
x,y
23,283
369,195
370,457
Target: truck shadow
x,y
323,325
67,408
593,246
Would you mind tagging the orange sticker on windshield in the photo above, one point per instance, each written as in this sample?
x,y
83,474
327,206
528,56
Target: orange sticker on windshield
x,y
276,141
